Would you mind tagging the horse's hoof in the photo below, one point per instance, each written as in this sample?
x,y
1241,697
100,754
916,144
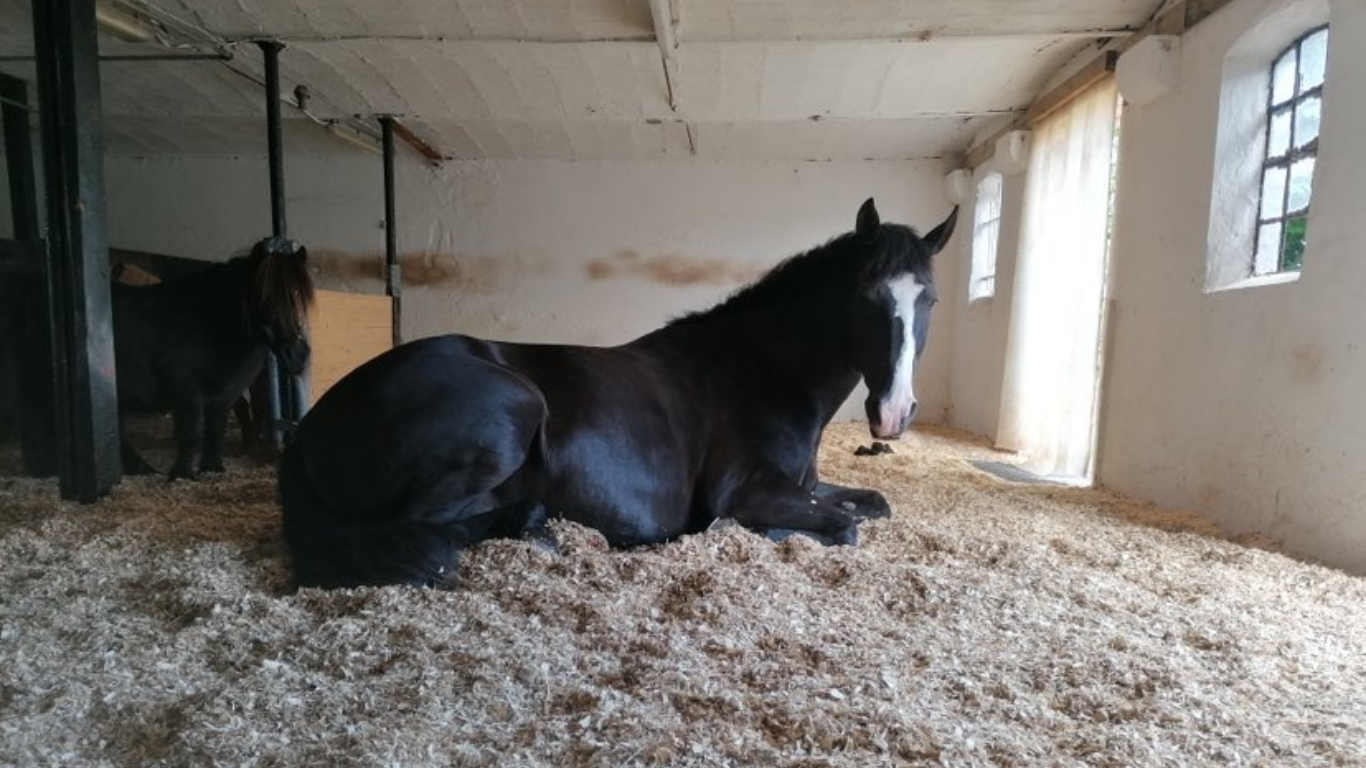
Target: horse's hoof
x,y
872,508
542,537
214,469
181,474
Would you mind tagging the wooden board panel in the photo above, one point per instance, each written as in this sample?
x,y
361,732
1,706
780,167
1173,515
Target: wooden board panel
x,y
346,329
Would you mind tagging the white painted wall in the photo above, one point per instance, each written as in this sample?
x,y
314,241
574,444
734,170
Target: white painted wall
x,y
1244,405
539,250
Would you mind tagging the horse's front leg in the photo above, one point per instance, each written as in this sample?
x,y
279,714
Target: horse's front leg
x,y
777,507
187,417
133,463
860,503
215,426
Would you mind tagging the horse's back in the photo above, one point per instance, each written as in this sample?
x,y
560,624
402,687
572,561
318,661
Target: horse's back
x,y
624,440
178,338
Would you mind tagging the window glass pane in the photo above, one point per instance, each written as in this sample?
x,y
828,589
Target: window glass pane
x,y
1268,249
1273,191
1307,121
1295,231
1278,140
988,215
1313,58
1283,78
1301,184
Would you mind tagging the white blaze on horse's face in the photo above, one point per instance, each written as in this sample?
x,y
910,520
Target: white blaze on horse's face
x,y
898,405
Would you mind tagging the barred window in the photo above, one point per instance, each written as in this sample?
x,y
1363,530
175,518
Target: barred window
x,y
985,235
1294,104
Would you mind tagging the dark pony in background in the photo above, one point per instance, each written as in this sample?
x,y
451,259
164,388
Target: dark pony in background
x,y
193,344
446,441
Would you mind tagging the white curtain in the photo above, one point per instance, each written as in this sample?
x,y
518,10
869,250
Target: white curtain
x,y
1052,367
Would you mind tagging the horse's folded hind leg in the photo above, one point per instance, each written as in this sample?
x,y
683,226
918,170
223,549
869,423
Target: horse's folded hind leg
x,y
536,530
779,535
859,503
525,520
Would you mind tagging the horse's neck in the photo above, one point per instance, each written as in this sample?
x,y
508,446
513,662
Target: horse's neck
x,y
795,357
231,305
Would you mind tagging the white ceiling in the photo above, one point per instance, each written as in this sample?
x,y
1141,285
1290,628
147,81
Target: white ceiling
x,y
578,79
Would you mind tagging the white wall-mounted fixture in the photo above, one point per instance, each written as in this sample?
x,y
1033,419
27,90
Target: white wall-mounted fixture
x,y
958,186
1012,152
1149,70
116,22
354,137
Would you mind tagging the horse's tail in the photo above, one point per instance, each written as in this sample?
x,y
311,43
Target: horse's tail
x,y
328,550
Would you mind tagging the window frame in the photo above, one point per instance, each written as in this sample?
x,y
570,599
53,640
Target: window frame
x,y
982,272
1292,155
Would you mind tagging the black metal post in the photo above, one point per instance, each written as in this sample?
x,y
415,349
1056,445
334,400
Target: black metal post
x,y
78,262
29,294
270,49
19,157
280,393
393,272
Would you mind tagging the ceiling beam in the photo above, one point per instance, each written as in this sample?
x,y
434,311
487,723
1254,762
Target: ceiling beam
x,y
666,35
432,154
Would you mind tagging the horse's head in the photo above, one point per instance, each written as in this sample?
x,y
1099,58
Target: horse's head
x,y
279,296
891,315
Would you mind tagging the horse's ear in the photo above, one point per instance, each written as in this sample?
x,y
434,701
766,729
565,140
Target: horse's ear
x,y
301,253
868,220
940,235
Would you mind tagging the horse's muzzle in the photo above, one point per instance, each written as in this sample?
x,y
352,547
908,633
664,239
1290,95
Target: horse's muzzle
x,y
293,358
886,421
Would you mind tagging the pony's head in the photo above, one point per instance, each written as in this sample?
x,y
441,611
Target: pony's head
x,y
890,314
278,297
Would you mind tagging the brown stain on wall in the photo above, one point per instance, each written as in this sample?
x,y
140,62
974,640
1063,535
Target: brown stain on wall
x,y
671,269
469,274
1306,363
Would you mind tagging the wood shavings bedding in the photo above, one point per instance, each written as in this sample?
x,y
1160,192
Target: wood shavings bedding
x,y
985,623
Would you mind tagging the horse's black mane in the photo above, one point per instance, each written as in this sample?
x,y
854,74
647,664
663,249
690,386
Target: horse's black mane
x,y
276,289
281,288
841,261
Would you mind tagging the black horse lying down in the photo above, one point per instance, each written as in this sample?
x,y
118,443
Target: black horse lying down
x,y
447,441
192,345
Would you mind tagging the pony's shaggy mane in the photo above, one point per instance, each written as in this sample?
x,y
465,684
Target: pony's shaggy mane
x,y
281,290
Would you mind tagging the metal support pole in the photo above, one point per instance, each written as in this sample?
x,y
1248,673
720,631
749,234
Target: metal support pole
x,y
37,430
19,157
78,273
393,272
280,394
270,49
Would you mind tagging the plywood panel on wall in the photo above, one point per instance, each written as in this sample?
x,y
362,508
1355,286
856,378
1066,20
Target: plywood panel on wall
x,y
346,329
